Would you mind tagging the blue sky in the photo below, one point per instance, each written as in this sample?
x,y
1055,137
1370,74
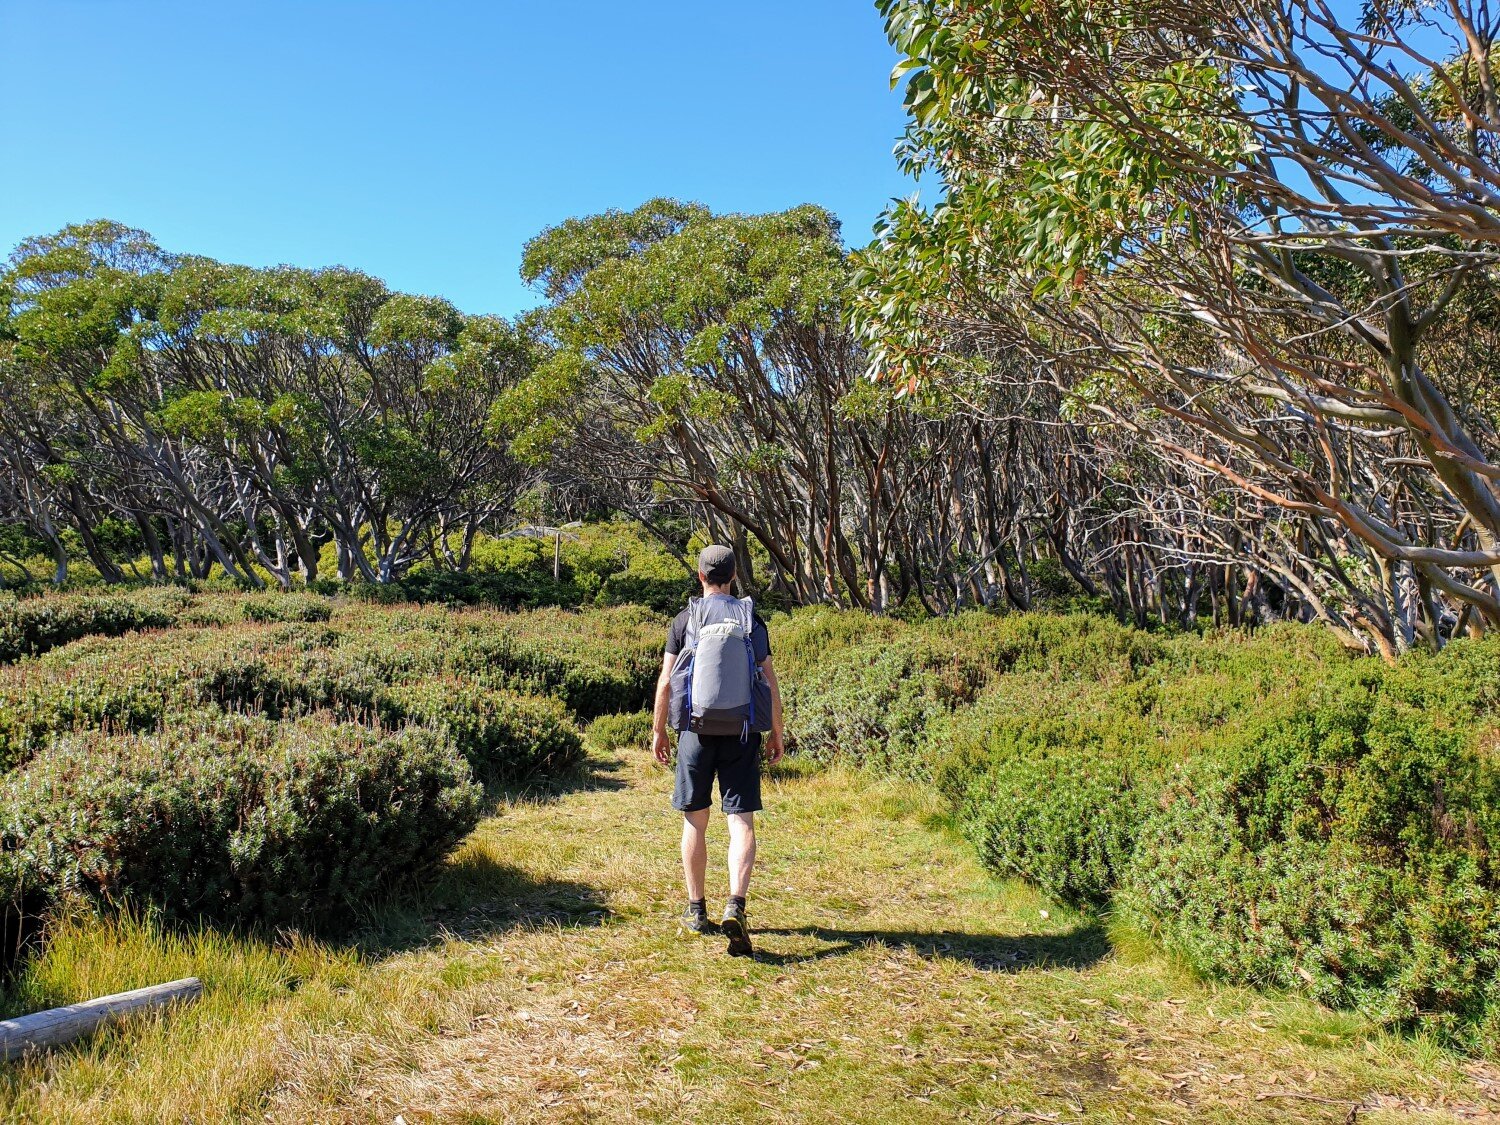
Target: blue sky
x,y
424,142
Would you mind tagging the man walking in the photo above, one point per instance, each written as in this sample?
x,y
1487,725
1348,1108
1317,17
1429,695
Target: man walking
x,y
717,689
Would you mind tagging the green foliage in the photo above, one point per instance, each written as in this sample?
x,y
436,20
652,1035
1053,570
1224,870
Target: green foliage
x,y
609,563
281,771
870,689
1055,770
29,626
1047,793
373,401
696,293
629,731
1345,848
503,736
616,563
872,703
471,671
807,635
286,607
1037,200
1278,812
235,819
596,663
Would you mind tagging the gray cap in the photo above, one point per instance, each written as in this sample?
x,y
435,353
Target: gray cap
x,y
716,564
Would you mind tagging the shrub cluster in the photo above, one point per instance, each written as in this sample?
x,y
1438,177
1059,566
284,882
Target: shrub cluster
x,y
874,693
503,735
29,626
1347,847
1053,798
620,732
286,607
1277,812
809,635
1055,769
873,703
282,672
233,818
280,766
597,663
602,564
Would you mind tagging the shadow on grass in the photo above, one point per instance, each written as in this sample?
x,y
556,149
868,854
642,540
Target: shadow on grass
x,y
591,773
472,899
1079,948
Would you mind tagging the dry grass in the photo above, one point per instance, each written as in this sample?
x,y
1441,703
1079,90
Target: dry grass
x,y
542,979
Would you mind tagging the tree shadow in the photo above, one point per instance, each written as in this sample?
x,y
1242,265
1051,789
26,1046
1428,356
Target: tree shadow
x,y
1078,948
475,898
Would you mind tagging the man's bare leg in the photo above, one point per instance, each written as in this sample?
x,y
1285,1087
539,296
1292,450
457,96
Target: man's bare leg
x,y
741,853
741,862
695,852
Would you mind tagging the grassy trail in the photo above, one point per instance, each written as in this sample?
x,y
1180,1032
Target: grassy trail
x,y
541,979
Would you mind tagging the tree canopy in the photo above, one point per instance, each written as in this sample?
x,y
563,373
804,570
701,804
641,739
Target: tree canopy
x,y
1256,239
246,417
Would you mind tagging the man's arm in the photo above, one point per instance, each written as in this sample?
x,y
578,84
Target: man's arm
x,y
776,741
661,743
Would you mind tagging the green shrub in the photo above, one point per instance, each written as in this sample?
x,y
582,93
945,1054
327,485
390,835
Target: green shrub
x,y
34,711
598,663
1053,772
872,704
127,683
511,555
1081,646
630,731
804,638
234,819
869,691
503,589
285,607
212,609
1052,797
504,736
1348,848
665,590
618,563
133,683
29,626
604,564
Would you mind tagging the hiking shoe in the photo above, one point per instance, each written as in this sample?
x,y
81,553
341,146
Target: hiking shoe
x,y
737,930
696,922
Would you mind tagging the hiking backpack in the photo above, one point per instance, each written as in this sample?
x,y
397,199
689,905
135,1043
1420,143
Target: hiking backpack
x,y
717,688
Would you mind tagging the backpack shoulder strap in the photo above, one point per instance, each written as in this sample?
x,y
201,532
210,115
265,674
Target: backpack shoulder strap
x,y
694,612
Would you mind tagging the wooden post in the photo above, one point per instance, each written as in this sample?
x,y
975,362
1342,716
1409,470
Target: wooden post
x,y
557,557
57,1026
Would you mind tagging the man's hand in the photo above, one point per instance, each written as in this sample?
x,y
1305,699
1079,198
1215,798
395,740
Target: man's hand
x,y
661,746
775,746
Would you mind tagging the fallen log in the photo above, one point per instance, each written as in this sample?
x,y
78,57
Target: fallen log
x,y
57,1026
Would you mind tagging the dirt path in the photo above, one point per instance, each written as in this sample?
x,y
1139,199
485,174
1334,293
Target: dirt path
x,y
894,982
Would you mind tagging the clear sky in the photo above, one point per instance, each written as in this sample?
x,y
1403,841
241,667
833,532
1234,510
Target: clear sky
x,y
425,141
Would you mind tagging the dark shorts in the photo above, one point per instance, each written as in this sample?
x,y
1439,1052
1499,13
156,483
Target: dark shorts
x,y
701,758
